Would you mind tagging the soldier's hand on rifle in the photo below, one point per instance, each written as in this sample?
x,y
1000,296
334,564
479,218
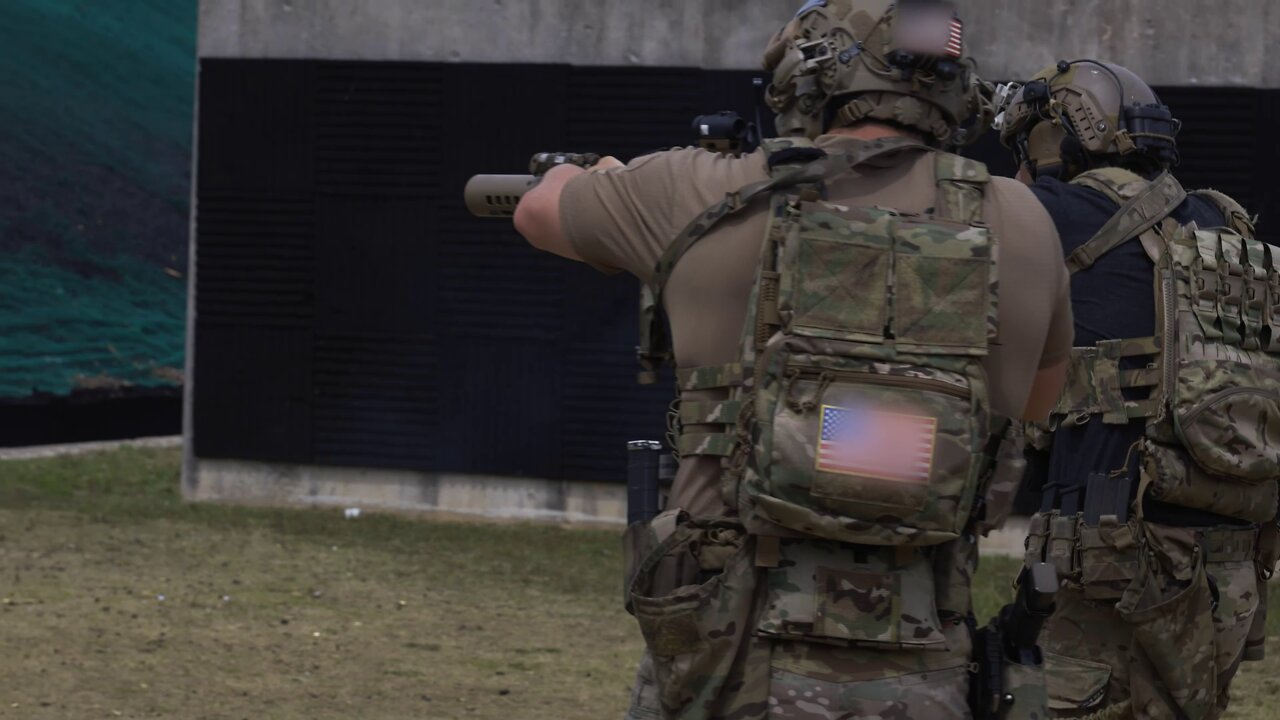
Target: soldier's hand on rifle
x,y
607,163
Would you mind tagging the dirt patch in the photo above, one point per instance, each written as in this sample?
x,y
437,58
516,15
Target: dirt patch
x,y
171,619
117,600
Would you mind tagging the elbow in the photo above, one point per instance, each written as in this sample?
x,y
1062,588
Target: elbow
x,y
1045,392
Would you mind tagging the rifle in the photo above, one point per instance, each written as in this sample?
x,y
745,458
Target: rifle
x,y
496,196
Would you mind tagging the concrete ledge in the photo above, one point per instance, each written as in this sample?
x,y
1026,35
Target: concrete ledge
x,y
493,498
232,481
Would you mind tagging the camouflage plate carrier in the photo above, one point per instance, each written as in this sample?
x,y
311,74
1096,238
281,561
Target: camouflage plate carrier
x,y
863,318
1212,383
1209,395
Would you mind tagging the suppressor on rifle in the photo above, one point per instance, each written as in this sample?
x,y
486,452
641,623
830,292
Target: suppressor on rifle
x,y
496,196
643,466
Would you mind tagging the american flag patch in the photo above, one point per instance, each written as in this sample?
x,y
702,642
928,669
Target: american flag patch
x,y
955,43
877,444
929,29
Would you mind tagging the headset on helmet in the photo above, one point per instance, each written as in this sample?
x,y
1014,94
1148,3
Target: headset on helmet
x,y
844,61
1082,114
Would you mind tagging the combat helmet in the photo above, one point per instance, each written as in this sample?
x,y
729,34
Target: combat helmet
x,y
841,61
1082,114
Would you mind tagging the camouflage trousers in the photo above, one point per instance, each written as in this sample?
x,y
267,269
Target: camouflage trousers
x,y
820,683
809,630
1151,622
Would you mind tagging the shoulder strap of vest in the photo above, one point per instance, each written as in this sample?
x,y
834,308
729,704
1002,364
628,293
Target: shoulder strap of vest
x,y
782,154
1238,218
1118,184
1137,215
823,168
791,162
962,184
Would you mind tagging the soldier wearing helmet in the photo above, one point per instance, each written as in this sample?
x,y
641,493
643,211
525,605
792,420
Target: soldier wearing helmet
x,y
1154,522
848,345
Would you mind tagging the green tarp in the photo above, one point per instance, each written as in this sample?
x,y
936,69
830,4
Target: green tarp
x,y
96,106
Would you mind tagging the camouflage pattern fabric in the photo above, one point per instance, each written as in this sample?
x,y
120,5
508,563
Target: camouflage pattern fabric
x,y
831,592
843,593
644,692
1026,685
1010,464
1136,632
706,663
828,630
1212,385
875,310
812,681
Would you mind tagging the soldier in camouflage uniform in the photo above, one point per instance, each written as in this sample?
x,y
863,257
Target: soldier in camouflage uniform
x,y
854,312
1160,498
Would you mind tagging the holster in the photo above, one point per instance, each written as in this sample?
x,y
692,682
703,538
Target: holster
x,y
1255,647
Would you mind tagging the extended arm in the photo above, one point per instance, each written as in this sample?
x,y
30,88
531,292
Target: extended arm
x,y
538,214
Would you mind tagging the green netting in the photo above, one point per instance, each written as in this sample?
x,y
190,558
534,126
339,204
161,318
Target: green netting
x,y
96,109
60,330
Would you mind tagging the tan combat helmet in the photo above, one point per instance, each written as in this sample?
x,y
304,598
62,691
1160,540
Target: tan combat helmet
x,y
1083,114
842,61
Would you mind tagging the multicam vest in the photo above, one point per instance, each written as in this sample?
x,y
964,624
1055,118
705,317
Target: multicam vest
x,y
858,409
1210,389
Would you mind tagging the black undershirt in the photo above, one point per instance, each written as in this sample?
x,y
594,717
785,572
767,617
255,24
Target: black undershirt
x,y
1112,300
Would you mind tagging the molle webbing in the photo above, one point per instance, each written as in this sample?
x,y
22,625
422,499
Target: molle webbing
x,y
714,419
961,188
1095,382
1137,215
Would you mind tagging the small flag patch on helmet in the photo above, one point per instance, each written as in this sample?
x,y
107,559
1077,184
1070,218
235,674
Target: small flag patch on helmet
x,y
929,29
955,45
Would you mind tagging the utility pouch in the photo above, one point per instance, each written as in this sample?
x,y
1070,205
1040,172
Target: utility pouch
x,y
1037,538
1109,556
696,631
1075,684
954,564
641,539
862,596
1009,467
1255,648
1026,685
1178,481
1061,553
1255,645
1170,607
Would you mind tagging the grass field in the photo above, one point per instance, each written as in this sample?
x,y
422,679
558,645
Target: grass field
x,y
119,600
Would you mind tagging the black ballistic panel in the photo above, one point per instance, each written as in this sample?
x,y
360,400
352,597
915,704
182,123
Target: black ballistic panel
x,y
253,394
351,312
375,400
255,257
1217,141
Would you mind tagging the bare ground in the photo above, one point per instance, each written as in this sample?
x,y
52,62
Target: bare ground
x,y
118,601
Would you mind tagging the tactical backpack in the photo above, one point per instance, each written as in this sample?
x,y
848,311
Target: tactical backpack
x,y
1210,389
858,410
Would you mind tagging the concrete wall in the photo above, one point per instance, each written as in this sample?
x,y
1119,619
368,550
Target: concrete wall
x,y
1170,42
